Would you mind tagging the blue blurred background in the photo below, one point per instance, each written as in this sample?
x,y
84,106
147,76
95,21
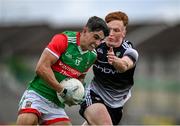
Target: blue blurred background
x,y
26,26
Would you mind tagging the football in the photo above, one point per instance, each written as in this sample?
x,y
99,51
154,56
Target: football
x,y
77,95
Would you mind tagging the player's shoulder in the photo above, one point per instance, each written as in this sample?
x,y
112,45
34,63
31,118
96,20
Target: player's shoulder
x,y
71,35
92,54
127,44
59,36
58,39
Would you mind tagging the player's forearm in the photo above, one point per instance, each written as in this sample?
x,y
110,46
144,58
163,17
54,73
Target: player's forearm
x,y
122,64
47,74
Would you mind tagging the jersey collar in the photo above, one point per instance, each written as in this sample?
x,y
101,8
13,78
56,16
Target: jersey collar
x,y
78,43
78,38
81,51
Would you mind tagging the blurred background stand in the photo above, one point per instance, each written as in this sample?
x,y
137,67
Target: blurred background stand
x,y
26,27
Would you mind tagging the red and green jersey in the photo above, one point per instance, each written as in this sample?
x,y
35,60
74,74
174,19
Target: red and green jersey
x,y
72,62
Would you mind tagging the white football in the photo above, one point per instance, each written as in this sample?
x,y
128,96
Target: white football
x,y
68,83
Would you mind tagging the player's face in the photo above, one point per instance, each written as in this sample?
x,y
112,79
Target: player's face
x,y
117,33
92,40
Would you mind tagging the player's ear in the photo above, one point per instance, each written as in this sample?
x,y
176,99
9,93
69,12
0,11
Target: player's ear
x,y
124,32
85,29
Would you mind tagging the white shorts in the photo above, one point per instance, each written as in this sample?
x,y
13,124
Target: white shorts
x,y
47,111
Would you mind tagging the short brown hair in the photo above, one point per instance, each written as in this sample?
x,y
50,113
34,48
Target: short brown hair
x,y
118,15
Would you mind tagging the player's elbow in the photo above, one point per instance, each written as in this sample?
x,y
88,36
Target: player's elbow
x,y
122,68
39,70
121,65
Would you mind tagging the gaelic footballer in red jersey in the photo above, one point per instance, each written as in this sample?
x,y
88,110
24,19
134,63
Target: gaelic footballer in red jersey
x,y
69,54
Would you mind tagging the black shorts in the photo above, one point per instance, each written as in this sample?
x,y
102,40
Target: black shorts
x,y
91,98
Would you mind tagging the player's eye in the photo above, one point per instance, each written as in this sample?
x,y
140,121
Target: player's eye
x,y
96,37
117,30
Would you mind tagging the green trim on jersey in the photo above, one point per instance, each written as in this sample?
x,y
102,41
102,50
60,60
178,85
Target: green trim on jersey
x,y
73,58
71,36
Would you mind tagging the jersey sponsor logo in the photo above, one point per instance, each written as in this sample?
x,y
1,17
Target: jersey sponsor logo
x,y
66,70
100,50
106,70
118,54
28,104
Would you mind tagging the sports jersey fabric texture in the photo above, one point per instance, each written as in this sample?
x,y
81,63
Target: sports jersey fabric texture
x,y
72,62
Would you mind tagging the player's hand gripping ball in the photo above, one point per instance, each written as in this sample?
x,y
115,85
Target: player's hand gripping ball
x,y
73,92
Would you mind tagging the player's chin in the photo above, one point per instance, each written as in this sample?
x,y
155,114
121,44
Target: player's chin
x,y
111,44
91,48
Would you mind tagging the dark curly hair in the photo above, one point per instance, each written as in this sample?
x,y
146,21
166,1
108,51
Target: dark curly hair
x,y
97,24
